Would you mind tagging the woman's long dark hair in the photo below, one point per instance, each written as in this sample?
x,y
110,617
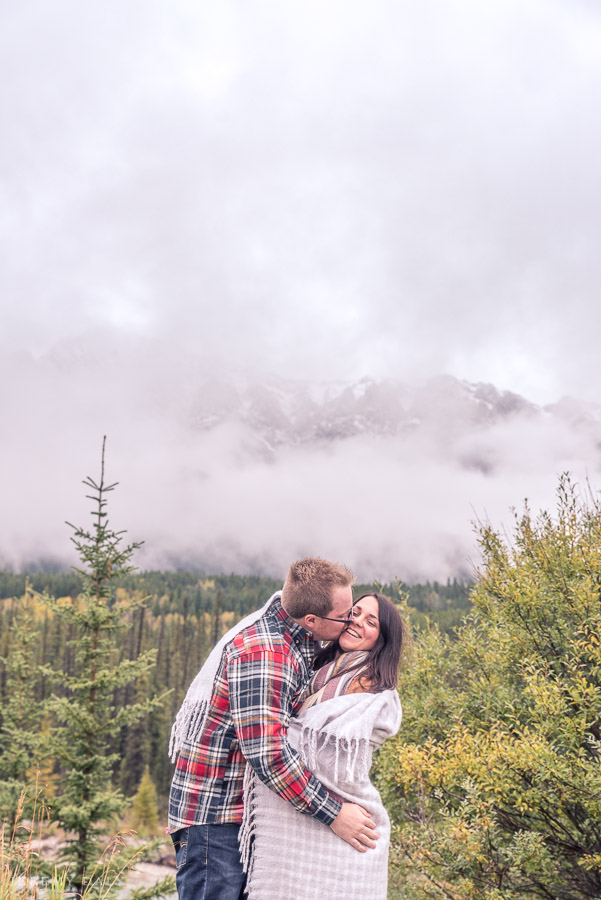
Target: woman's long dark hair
x,y
382,662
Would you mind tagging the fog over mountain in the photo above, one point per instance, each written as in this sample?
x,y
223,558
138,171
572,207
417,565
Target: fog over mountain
x,y
223,470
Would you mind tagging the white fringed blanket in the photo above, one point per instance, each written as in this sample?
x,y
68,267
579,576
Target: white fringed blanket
x,y
291,856
191,718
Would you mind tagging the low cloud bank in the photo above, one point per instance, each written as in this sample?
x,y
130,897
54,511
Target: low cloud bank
x,y
223,495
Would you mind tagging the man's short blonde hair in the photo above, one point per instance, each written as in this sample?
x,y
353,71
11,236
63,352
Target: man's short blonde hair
x,y
309,584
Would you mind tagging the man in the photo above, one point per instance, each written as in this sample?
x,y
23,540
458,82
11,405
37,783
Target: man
x,y
242,715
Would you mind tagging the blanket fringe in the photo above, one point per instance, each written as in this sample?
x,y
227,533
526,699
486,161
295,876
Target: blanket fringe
x,y
187,726
356,752
248,826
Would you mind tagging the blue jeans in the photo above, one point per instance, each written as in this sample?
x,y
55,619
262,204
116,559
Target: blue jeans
x,y
208,863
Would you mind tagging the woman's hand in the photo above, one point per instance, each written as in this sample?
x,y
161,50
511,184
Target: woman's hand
x,y
355,826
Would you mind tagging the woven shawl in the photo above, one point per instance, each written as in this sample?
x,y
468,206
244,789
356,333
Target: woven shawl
x,y
295,856
190,720
334,679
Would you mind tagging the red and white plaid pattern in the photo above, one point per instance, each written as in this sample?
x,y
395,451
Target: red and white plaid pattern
x,y
259,679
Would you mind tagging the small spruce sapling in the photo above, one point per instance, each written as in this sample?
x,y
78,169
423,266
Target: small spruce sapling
x,y
88,714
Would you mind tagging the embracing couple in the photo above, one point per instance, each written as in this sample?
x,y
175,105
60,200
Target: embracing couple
x,y
271,795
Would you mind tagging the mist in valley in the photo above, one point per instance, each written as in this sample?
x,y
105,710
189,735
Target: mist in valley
x,y
245,473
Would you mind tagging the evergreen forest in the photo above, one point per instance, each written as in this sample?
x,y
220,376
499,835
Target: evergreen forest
x,y
179,616
492,783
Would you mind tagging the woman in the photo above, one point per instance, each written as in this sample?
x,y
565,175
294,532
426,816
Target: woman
x,y
350,707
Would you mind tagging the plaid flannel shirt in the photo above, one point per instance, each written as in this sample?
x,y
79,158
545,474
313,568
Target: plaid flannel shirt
x,y
256,692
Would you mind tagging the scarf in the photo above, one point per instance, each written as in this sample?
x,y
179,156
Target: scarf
x,y
333,679
192,716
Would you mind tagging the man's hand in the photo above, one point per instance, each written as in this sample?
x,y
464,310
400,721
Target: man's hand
x,y
354,825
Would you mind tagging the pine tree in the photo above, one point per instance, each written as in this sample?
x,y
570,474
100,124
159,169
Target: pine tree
x,y
145,805
20,716
89,716
134,745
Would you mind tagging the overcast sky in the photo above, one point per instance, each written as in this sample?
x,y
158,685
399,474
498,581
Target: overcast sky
x,y
318,189
334,188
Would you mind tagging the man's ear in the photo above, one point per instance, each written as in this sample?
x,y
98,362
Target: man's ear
x,y
309,622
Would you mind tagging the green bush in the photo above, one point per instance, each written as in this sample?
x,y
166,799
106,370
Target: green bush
x,y
494,780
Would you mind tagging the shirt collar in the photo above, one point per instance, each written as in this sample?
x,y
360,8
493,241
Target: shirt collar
x,y
297,631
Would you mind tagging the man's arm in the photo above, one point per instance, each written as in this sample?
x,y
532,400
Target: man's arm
x,y
261,686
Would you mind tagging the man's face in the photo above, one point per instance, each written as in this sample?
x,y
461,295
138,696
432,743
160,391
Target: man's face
x,y
342,603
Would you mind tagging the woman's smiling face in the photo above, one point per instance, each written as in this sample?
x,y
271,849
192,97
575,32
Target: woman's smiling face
x,y
364,630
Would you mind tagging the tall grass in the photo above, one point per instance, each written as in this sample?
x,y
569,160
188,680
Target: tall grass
x,y
25,875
